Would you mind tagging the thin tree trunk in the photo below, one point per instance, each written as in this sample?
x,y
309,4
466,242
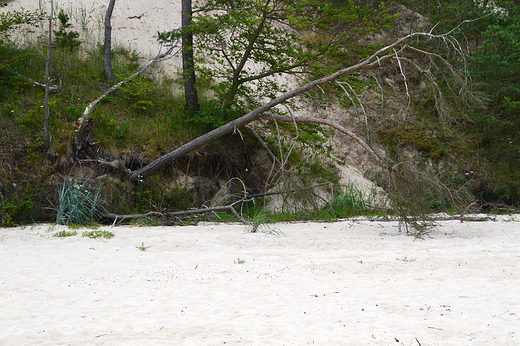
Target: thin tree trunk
x,y
232,93
46,136
188,66
107,62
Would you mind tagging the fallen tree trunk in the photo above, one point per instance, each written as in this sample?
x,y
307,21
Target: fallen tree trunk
x,y
154,166
374,60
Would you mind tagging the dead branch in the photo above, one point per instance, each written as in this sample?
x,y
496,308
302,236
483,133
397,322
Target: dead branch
x,y
333,125
167,215
257,136
53,88
460,218
159,57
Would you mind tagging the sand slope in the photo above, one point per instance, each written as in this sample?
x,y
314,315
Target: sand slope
x,y
343,283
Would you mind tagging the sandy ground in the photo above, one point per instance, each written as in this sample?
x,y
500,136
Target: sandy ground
x,y
342,283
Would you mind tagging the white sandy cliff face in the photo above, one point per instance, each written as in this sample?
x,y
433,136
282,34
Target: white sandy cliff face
x,y
134,23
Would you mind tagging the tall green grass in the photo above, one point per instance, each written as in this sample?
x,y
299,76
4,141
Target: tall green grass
x,y
353,201
78,205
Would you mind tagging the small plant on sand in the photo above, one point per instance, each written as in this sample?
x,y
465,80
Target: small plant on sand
x,y
259,222
142,247
405,259
64,233
239,261
98,234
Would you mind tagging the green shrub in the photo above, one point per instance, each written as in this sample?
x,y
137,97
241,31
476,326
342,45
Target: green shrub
x,y
12,208
64,38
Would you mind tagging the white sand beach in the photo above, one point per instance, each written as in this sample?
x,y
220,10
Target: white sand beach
x,y
341,283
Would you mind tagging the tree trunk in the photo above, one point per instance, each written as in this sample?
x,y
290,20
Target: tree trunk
x,y
107,63
188,66
46,136
232,93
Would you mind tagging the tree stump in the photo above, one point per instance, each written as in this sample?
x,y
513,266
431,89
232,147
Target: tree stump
x,y
81,143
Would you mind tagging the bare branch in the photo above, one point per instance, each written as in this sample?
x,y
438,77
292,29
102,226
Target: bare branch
x,y
257,136
53,88
405,80
333,125
166,215
355,107
159,57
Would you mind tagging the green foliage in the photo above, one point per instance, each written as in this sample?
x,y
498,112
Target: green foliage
x,y
64,38
10,55
98,234
494,66
420,136
140,92
62,234
78,205
353,202
142,247
10,20
11,209
242,52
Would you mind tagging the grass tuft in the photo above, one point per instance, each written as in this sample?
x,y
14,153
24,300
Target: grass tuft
x,y
77,205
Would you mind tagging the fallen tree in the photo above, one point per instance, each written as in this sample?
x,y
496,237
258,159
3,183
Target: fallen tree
x,y
391,52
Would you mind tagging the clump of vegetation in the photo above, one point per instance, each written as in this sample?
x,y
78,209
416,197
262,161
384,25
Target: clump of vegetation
x,y
353,201
78,205
98,234
10,209
64,38
64,233
259,222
